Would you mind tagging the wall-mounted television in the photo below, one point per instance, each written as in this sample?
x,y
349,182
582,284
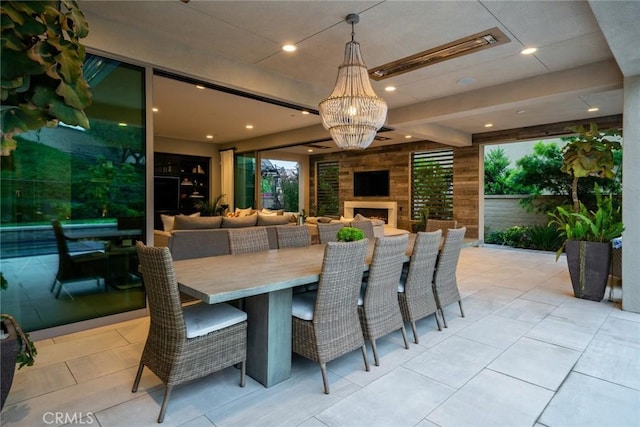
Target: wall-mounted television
x,y
371,183
166,191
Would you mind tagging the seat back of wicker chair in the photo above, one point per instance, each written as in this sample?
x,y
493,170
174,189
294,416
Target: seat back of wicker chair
x,y
366,226
328,232
163,295
418,300
445,285
440,224
335,321
380,311
248,240
293,236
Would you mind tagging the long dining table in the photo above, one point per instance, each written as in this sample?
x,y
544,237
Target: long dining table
x,y
265,281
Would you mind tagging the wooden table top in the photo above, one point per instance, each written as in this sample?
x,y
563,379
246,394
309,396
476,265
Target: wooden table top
x,y
228,277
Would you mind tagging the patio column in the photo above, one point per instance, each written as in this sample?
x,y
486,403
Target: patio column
x,y
631,196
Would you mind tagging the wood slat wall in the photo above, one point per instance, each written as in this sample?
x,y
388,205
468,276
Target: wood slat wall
x,y
397,159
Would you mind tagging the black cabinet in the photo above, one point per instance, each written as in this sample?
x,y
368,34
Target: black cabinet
x,y
191,177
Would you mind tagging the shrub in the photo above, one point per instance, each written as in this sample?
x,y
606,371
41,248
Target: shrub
x,y
545,238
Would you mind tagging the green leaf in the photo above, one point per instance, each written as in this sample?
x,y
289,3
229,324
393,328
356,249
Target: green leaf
x,y
77,96
69,115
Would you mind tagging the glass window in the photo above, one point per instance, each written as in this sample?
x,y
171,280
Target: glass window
x,y
73,204
279,184
245,180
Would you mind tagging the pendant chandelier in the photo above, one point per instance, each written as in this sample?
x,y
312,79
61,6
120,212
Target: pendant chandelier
x,y
353,113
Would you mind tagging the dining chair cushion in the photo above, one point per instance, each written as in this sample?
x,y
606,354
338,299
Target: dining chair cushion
x,y
363,290
201,319
303,305
403,278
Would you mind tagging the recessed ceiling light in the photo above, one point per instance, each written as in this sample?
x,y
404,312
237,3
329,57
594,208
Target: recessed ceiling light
x,y
200,86
249,126
466,81
529,50
521,111
488,125
154,109
209,136
289,48
305,112
408,136
593,109
123,124
390,88
310,150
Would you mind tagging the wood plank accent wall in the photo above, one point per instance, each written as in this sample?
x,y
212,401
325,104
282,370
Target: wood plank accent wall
x,y
397,158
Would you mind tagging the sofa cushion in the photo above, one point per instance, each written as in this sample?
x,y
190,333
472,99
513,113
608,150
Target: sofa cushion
x,y
168,220
242,221
272,219
196,223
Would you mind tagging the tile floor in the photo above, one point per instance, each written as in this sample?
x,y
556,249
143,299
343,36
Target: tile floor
x,y
527,354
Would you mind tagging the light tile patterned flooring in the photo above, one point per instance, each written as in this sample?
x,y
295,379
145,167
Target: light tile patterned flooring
x,y
527,354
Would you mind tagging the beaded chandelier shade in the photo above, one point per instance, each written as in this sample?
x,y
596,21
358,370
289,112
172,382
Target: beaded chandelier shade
x,y
353,113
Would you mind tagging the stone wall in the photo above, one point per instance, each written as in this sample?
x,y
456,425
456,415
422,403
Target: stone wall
x,y
502,212
397,159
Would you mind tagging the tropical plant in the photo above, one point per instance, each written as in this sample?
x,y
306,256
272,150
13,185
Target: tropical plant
x,y
350,234
211,208
26,349
589,153
600,225
423,216
42,58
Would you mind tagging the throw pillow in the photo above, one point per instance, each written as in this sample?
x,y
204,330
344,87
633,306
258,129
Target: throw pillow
x,y
267,212
168,220
243,221
324,219
272,220
196,223
244,212
374,221
276,211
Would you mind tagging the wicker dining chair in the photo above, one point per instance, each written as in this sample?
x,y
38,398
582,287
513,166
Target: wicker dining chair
x,y
366,226
415,290
328,232
440,224
378,307
248,240
325,323
292,236
185,343
445,285
75,268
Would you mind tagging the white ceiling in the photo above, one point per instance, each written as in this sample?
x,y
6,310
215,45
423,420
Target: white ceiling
x,y
237,44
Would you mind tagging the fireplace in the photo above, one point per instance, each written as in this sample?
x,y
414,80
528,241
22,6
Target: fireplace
x,y
373,213
391,209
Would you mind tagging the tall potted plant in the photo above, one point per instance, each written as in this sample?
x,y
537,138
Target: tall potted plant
x,y
588,233
15,348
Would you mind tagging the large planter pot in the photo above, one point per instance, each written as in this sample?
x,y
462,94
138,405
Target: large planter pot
x,y
8,354
589,268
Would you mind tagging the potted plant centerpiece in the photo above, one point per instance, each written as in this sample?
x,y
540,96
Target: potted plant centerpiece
x,y
350,234
588,233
